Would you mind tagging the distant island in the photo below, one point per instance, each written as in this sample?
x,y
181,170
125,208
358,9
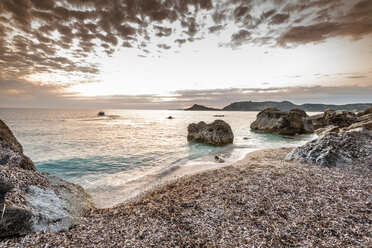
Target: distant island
x,y
284,105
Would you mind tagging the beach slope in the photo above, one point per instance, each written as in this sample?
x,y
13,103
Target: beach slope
x,y
261,200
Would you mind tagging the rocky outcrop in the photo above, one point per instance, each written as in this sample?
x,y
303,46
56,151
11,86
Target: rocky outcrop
x,y
340,118
318,121
35,201
11,151
334,149
367,124
366,112
272,120
217,133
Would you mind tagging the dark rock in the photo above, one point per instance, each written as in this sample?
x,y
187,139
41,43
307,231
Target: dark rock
x,y
366,112
318,121
217,133
219,159
101,113
245,138
218,116
5,187
11,151
15,221
340,118
272,120
334,149
327,129
170,117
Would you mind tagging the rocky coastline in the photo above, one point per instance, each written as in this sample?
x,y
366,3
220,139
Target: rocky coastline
x,y
318,194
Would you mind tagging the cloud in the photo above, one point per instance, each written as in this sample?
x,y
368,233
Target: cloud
x,y
21,93
65,36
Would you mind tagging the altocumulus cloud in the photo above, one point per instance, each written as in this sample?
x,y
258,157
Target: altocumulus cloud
x,y
64,36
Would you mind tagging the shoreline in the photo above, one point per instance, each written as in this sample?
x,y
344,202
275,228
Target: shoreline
x,y
261,200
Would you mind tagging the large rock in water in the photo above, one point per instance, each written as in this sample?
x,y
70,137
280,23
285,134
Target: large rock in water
x,y
340,118
217,133
334,149
272,120
34,201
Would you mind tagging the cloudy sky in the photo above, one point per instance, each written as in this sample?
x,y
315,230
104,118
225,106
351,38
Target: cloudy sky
x,y
162,54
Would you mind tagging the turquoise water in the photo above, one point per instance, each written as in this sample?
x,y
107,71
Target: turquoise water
x,y
107,154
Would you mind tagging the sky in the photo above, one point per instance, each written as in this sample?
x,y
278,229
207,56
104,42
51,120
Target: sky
x,y
170,54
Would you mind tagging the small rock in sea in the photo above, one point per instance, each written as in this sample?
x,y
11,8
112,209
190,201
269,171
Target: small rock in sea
x,y
218,116
272,120
245,138
170,117
217,133
101,113
219,159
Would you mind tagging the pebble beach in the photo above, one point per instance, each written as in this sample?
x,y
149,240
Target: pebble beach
x,y
260,201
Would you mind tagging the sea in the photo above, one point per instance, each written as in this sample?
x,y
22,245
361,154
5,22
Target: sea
x,y
119,155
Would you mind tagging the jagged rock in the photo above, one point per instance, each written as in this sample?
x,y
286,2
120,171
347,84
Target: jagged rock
x,y
327,129
367,117
367,124
339,118
366,112
272,120
11,151
38,201
217,133
318,121
334,149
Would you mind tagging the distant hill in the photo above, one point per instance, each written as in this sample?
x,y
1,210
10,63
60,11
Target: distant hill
x,y
285,105
197,107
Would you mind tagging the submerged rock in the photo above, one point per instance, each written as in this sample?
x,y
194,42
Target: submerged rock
x,y
333,149
35,201
272,120
217,133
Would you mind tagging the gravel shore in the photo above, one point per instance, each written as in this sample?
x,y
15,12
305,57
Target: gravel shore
x,y
261,201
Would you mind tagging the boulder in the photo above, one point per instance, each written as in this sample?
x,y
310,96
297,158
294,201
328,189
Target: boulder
x,y
336,148
35,201
11,151
367,124
217,133
340,118
327,129
318,121
272,120
366,112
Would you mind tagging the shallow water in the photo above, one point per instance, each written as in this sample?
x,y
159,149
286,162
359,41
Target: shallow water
x,y
126,150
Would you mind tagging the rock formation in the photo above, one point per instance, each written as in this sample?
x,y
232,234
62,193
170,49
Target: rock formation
x,y
318,121
333,149
340,118
217,133
34,201
11,151
327,129
272,120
